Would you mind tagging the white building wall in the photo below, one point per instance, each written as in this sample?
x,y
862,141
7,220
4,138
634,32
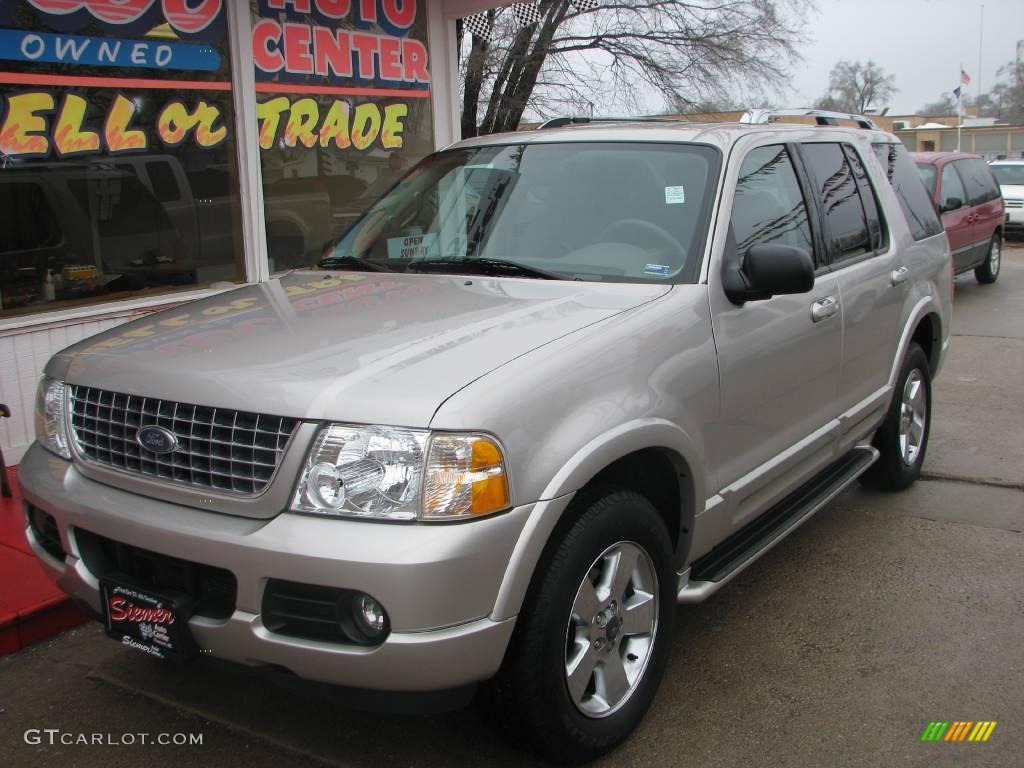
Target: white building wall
x,y
23,353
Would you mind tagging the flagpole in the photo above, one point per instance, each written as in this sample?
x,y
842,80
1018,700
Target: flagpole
x,y
981,37
959,107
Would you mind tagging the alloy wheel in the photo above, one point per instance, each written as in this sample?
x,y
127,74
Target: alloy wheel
x,y
913,415
611,630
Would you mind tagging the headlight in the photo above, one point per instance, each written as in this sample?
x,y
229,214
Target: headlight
x,y
51,416
391,473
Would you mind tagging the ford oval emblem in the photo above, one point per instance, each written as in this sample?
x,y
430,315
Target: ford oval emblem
x,y
156,439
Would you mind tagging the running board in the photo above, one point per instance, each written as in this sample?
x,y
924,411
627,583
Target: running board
x,y
710,573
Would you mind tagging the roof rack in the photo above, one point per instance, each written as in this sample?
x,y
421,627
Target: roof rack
x,y
821,117
562,122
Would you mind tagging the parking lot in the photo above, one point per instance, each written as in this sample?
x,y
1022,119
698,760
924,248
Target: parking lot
x,y
883,613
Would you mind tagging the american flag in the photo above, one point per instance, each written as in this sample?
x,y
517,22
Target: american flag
x,y
964,77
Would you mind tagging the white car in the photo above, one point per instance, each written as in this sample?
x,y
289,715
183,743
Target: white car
x,y
1010,175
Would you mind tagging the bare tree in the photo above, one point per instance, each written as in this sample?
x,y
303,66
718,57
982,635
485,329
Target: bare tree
x,y
946,105
1005,101
854,87
1008,93
616,52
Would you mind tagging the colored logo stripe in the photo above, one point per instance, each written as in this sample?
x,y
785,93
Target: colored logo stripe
x,y
958,730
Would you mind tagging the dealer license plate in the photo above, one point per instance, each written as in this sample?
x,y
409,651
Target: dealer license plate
x,y
146,621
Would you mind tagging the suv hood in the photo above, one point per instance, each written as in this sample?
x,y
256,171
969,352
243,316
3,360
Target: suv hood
x,y
371,348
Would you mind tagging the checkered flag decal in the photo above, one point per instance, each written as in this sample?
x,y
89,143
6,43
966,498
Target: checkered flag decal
x,y
480,24
527,13
586,5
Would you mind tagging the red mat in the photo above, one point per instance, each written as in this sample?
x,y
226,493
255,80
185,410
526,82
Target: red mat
x,y
32,608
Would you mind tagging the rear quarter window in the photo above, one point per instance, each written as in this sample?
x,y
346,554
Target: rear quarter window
x,y
913,197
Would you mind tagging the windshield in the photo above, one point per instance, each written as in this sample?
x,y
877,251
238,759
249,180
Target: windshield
x,y
584,211
927,171
1009,175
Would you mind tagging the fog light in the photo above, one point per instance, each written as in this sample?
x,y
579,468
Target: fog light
x,y
370,616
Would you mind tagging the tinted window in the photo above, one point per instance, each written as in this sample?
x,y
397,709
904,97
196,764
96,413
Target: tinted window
x,y
31,224
978,180
165,186
952,187
868,197
120,206
616,212
914,199
1008,175
836,188
927,171
769,207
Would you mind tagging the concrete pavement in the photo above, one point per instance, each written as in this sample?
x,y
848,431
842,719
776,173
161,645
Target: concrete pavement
x,y
883,613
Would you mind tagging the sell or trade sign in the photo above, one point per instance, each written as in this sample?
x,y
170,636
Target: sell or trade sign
x,y
37,124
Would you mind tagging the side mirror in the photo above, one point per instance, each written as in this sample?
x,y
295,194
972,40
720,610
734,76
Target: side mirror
x,y
951,204
768,270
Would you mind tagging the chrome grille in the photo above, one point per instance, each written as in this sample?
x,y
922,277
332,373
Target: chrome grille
x,y
218,448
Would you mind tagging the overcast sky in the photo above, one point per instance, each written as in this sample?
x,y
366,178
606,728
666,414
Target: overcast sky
x,y
921,42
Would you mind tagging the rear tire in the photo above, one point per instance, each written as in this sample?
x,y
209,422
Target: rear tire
x,y
902,440
988,272
591,643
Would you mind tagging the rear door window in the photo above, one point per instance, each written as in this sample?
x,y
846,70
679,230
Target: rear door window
x,y
952,187
914,199
869,198
835,187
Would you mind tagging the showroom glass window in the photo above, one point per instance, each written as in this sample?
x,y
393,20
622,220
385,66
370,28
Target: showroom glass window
x,y
343,104
118,169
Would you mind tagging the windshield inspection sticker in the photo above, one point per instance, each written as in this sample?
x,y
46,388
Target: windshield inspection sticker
x,y
656,269
411,247
675,195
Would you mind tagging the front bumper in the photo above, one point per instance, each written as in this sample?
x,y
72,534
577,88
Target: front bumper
x,y
1015,218
438,583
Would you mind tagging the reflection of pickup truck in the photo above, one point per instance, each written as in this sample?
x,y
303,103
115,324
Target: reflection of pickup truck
x,y
203,206
90,215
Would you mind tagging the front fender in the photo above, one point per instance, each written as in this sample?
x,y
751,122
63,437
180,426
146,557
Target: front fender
x,y
574,474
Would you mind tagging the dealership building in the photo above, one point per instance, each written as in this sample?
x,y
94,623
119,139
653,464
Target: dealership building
x,y
153,152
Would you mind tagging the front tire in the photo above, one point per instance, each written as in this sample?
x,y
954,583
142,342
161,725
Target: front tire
x,y
902,440
592,641
988,272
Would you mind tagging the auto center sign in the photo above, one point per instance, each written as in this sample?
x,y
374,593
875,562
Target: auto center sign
x,y
309,41
327,63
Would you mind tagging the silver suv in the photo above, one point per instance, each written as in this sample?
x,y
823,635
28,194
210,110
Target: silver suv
x,y
549,386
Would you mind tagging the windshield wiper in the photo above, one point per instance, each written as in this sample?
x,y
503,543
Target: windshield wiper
x,y
490,267
352,262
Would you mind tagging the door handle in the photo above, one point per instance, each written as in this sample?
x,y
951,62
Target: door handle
x,y
899,275
824,308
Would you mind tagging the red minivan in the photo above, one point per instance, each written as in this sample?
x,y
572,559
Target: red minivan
x,y
968,199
